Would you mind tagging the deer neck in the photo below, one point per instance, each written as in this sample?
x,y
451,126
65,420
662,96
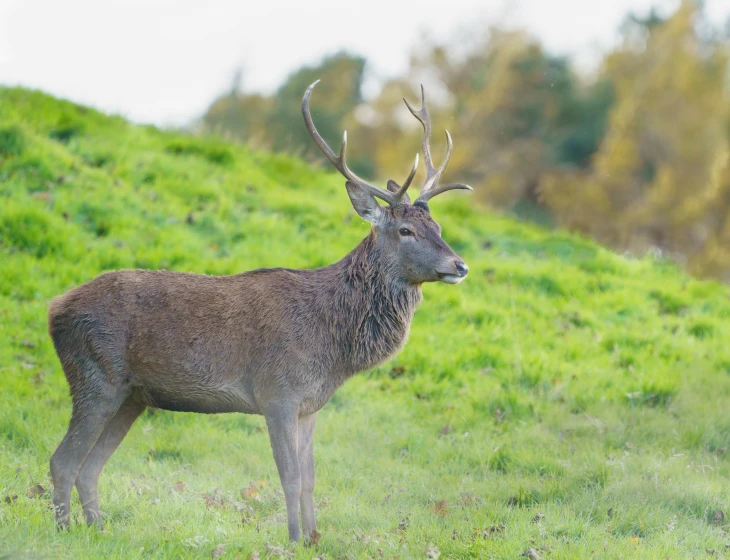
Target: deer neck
x,y
375,307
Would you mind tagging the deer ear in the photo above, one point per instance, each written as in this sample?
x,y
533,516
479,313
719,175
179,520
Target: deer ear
x,y
395,187
364,203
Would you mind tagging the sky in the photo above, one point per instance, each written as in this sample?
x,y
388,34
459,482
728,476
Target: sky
x,y
164,61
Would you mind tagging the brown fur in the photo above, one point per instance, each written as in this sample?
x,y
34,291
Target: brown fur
x,y
196,343
276,342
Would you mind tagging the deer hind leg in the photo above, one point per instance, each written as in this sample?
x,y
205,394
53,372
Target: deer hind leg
x,y
282,423
306,467
95,402
87,481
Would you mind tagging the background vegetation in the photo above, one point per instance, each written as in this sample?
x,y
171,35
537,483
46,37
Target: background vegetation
x,y
563,402
634,155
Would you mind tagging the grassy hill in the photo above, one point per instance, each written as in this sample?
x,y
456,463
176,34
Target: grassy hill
x,y
562,398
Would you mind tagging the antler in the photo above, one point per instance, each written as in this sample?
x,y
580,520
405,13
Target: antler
x,y
429,188
340,162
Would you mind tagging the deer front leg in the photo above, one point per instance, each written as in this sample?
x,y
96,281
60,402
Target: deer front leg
x,y
306,467
282,421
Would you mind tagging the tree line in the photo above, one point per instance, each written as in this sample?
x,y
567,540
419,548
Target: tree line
x,y
634,155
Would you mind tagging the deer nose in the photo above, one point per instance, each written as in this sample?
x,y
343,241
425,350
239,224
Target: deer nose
x,y
462,269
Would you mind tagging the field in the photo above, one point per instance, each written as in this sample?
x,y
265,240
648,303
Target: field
x,y
563,398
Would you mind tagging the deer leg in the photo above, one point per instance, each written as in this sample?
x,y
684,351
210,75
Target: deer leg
x,y
87,481
306,467
282,423
91,412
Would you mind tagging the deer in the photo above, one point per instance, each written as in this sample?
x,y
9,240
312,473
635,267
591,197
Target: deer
x,y
276,342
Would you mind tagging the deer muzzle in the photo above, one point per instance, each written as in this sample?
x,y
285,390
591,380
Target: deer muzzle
x,y
461,270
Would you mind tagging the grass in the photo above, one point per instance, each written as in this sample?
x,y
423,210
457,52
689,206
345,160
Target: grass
x,y
563,398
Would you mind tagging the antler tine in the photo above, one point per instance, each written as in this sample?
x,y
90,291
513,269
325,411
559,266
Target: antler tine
x,y
429,189
425,120
400,193
340,162
433,178
425,197
412,174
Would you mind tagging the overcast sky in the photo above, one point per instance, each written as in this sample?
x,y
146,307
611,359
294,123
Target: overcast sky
x,y
164,61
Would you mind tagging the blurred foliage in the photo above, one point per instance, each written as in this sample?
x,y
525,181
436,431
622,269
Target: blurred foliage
x,y
634,155
275,122
660,176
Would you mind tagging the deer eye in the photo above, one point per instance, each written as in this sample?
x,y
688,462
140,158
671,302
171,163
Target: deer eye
x,y
405,231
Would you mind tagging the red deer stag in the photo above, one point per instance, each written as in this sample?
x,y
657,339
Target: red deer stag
x,y
276,342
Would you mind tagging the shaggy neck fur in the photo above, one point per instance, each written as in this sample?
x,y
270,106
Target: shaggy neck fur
x,y
370,307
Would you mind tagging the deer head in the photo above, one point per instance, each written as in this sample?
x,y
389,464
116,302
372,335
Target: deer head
x,y
405,234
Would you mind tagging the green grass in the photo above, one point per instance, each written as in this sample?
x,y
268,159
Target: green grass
x,y
560,379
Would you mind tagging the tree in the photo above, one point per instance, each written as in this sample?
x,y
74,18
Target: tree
x,y
276,122
514,111
653,182
336,96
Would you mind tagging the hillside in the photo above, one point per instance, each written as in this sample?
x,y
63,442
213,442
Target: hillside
x,y
562,398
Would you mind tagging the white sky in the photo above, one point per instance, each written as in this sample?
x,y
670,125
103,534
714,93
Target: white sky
x,y
164,61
